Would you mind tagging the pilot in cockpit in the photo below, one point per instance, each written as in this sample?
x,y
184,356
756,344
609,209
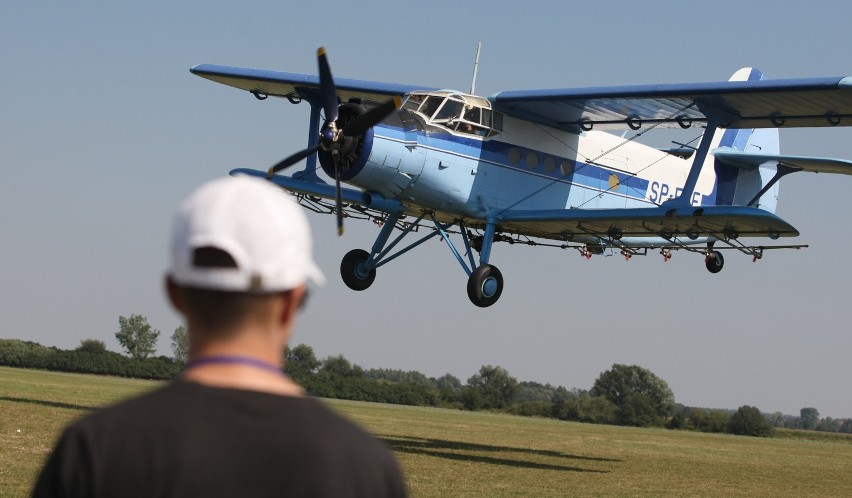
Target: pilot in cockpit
x,y
470,115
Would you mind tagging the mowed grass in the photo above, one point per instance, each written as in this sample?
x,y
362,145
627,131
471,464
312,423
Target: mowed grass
x,y
455,453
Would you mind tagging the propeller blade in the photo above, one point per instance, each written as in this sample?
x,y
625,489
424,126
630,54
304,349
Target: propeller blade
x,y
365,121
338,202
327,90
289,161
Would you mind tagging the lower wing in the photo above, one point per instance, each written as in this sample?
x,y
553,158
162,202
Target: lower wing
x,y
694,222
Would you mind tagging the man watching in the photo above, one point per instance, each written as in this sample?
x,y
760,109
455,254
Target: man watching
x,y
234,425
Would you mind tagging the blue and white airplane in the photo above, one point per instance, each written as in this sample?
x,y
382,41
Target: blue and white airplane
x,y
543,167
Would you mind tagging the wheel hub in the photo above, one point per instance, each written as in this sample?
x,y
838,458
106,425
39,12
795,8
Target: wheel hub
x,y
489,287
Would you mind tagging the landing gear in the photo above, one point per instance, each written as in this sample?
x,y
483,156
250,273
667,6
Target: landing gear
x,y
485,282
714,261
352,271
485,285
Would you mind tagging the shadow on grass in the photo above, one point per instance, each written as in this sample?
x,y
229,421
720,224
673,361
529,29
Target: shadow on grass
x,y
52,404
448,449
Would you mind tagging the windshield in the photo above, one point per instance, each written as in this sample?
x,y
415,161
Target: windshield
x,y
465,114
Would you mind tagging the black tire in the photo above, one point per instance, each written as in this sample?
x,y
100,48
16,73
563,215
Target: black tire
x,y
714,262
352,277
485,285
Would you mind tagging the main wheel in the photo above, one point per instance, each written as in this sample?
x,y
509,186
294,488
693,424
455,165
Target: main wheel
x,y
714,262
485,285
352,273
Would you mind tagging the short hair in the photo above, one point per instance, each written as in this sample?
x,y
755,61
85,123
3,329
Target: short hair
x,y
222,310
216,310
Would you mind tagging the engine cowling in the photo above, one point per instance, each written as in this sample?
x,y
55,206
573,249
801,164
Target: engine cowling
x,y
355,150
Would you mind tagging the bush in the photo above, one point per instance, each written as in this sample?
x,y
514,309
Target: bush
x,y
748,421
531,409
25,354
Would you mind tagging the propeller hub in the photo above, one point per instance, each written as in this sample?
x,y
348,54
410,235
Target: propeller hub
x,y
327,138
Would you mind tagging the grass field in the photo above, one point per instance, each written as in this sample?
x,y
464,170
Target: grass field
x,y
455,453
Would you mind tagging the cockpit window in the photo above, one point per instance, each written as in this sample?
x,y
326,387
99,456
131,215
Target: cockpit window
x,y
459,113
430,105
413,101
473,114
451,110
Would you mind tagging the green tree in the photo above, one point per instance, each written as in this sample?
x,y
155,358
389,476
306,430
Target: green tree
x,y
776,419
180,344
136,336
678,421
340,366
638,409
534,391
471,398
595,409
92,346
748,421
642,398
828,424
301,362
715,421
400,376
809,417
450,387
496,387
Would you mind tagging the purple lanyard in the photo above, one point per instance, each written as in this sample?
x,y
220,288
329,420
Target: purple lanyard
x,y
233,360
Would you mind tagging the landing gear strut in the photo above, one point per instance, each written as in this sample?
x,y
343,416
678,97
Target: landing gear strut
x,y
484,284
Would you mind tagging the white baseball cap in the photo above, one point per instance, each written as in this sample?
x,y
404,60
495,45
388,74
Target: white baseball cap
x,y
258,225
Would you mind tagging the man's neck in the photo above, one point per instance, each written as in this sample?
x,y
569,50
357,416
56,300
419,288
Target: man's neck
x,y
240,366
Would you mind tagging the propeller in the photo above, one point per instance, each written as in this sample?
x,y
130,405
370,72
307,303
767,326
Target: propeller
x,y
332,139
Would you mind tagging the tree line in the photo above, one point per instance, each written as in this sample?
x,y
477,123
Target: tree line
x,y
623,395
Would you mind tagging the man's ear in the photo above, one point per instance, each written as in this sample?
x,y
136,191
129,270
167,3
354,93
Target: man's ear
x,y
294,299
175,295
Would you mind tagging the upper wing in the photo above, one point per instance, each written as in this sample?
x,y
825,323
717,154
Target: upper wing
x,y
751,104
666,222
295,85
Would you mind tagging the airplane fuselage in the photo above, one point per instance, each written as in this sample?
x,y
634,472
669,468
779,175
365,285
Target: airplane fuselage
x,y
524,166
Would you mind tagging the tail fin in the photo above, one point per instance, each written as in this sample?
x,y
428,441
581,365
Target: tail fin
x,y
737,186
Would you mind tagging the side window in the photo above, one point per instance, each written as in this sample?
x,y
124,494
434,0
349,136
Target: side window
x,y
486,117
472,115
497,123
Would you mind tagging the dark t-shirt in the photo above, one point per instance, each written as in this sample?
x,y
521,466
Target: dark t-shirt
x,y
192,440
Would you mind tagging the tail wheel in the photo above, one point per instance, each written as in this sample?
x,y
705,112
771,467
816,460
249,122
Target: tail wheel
x,y
352,271
485,285
714,262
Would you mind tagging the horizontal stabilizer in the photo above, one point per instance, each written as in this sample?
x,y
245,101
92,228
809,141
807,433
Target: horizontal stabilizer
x,y
732,157
706,221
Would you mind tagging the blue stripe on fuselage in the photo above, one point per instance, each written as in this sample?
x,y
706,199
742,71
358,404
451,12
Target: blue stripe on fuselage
x,y
496,153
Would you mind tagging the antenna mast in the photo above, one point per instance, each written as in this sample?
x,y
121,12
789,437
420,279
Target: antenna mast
x,y
475,67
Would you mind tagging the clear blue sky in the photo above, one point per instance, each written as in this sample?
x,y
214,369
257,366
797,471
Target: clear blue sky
x,y
103,130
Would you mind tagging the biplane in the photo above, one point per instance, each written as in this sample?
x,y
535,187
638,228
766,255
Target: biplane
x,y
558,167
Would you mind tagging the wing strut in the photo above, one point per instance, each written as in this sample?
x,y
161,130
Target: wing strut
x,y
310,171
715,118
781,170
